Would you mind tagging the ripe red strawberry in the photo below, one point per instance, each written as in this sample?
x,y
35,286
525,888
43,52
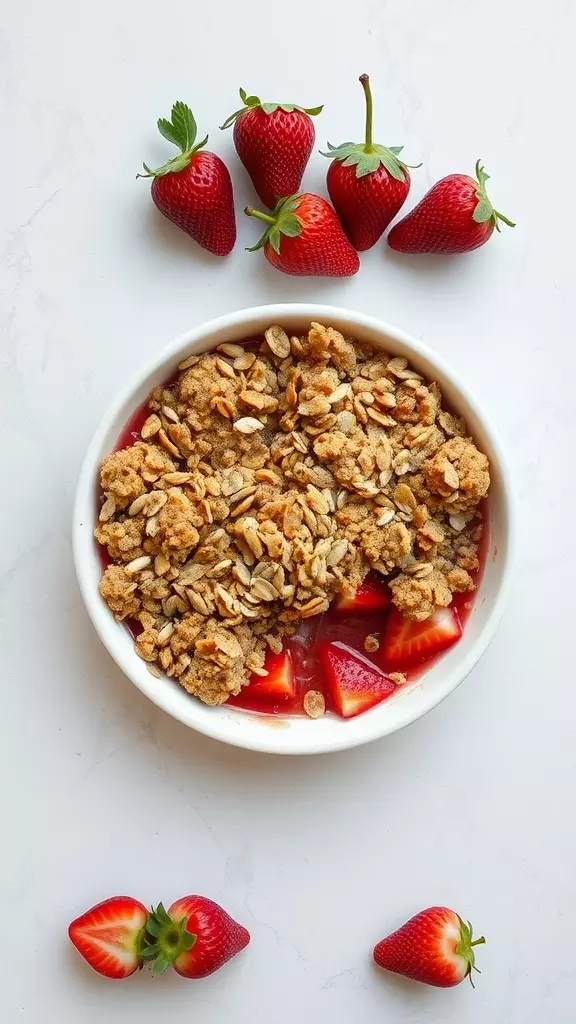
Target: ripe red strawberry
x,y
305,237
371,596
110,936
278,685
194,189
367,183
274,142
353,683
454,216
434,947
407,643
195,935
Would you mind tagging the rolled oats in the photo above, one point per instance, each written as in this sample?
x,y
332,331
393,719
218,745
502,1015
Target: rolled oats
x,y
248,425
244,361
278,341
137,565
234,351
150,427
314,704
108,509
187,363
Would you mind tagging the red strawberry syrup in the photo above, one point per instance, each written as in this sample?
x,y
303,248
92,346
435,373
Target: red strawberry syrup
x,y
351,629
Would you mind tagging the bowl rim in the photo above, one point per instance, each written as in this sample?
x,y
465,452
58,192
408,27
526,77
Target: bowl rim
x,y
267,741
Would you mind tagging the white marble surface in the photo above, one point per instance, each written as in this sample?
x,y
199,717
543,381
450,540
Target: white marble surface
x,y
472,806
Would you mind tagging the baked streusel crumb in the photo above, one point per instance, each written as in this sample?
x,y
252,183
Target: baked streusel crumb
x,y
268,480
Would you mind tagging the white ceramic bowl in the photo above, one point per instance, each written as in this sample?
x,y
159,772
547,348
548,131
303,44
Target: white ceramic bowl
x,y
295,735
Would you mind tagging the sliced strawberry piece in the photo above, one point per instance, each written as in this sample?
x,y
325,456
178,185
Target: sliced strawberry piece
x,y
354,683
110,936
407,643
371,596
278,684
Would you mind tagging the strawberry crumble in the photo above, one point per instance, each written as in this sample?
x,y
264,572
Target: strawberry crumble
x,y
277,479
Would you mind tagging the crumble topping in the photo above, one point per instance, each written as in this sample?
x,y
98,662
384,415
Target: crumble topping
x,y
269,479
371,643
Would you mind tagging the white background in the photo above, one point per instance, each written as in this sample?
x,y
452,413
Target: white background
x,y
319,857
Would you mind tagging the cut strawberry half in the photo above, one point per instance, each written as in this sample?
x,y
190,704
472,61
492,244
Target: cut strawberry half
x,y
278,684
371,596
354,684
407,643
110,936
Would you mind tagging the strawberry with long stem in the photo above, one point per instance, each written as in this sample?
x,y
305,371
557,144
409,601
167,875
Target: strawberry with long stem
x,y
367,183
305,237
194,188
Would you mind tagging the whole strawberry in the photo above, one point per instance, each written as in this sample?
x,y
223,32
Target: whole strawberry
x,y
454,216
195,935
194,189
110,936
434,947
367,183
305,237
274,142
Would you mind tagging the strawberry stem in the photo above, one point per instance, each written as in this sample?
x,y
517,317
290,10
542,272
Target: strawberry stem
x,y
282,221
484,210
250,212
181,130
464,948
368,144
166,939
367,157
254,102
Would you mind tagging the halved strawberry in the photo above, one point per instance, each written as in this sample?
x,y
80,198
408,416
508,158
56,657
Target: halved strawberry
x,y
110,936
278,684
371,596
407,643
354,684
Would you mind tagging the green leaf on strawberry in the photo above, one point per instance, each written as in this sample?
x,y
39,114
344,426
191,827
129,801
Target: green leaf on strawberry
x,y
484,210
181,130
251,102
282,221
367,156
366,162
167,939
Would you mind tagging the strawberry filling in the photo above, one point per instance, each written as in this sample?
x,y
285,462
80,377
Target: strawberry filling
x,y
407,643
354,684
330,654
372,595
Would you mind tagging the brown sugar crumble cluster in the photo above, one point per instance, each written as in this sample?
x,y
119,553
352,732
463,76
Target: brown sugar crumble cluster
x,y
268,480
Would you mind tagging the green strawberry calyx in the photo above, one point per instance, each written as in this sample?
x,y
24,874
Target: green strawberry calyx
x,y
282,221
484,210
182,130
252,102
166,939
367,156
465,948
